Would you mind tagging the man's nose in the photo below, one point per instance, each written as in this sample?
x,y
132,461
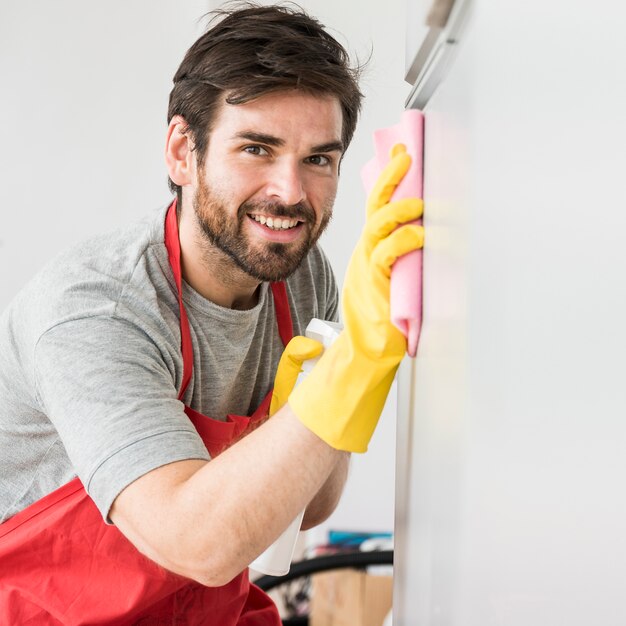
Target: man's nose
x,y
285,183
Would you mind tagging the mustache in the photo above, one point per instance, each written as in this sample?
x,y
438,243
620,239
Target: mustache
x,y
298,211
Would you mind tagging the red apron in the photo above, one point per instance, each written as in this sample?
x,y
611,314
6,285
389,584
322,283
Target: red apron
x,y
61,564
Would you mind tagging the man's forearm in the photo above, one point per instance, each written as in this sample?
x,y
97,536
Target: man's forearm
x,y
327,498
209,520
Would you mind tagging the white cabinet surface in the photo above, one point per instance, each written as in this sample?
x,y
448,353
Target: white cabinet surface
x,y
512,419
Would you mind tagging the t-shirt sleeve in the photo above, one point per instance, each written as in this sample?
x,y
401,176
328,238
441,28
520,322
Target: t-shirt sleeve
x,y
109,392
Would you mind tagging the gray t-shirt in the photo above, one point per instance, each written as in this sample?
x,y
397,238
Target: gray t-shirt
x,y
90,365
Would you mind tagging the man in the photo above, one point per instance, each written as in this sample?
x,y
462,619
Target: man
x,y
140,474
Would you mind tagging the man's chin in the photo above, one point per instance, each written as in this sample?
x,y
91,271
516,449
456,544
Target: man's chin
x,y
271,275
272,267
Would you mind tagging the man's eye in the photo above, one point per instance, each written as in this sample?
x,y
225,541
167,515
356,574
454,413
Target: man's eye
x,y
319,159
258,150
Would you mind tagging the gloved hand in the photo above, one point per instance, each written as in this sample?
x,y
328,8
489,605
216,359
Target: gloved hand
x,y
296,352
342,397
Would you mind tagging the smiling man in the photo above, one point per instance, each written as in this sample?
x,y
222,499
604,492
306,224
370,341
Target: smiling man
x,y
140,474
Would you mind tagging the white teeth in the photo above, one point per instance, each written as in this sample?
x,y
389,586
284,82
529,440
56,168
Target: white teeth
x,y
275,223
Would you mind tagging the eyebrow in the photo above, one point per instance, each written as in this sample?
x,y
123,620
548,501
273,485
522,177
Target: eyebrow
x,y
270,140
331,146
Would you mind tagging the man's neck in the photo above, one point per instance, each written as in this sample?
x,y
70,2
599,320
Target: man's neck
x,y
211,272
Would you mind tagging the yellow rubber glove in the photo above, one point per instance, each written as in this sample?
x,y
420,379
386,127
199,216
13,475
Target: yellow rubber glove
x,y
342,397
296,352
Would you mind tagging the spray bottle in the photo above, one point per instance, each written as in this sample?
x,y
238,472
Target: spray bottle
x,y
276,560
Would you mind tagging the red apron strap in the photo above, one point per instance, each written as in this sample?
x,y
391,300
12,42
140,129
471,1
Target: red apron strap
x,y
279,291
172,244
283,313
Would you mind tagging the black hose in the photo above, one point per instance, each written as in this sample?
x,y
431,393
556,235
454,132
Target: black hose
x,y
324,563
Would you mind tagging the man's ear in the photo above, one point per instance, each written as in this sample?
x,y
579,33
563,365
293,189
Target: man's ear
x,y
179,154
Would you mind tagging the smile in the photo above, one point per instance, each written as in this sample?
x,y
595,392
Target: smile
x,y
275,223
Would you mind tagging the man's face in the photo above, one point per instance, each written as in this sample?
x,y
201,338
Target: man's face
x,y
265,191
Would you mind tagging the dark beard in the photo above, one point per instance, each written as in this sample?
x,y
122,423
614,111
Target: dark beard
x,y
272,262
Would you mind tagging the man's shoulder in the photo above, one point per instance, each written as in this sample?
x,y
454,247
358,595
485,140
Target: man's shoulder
x,y
113,254
89,278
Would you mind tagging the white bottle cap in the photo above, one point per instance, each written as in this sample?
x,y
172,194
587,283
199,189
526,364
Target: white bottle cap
x,y
322,331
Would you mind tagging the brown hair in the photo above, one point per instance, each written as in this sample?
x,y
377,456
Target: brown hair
x,y
255,50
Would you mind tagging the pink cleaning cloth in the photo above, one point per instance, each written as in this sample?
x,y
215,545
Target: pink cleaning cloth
x,y
406,273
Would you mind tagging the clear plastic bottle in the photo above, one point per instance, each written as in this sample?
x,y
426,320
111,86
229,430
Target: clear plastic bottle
x,y
276,559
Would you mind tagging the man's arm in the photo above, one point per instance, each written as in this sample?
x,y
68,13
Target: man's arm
x,y
327,498
209,520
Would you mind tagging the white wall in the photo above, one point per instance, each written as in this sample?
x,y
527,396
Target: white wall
x,y
83,109
85,88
